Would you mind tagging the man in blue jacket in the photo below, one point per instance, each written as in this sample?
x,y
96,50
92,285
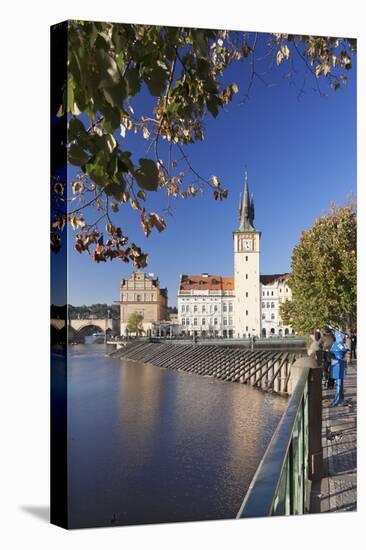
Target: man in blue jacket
x,y
337,367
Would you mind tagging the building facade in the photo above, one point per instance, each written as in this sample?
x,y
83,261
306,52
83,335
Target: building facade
x,y
141,293
274,291
242,306
206,305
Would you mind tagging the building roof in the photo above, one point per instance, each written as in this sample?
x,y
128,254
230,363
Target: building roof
x,y
271,279
217,282
206,282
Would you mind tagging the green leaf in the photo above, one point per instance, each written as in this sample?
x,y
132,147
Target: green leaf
x,y
108,68
201,43
75,128
213,104
70,95
102,41
114,95
173,107
133,81
147,175
156,80
77,156
112,118
115,187
96,170
125,163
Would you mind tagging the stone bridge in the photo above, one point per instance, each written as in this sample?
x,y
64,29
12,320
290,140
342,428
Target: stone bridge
x,y
111,325
81,326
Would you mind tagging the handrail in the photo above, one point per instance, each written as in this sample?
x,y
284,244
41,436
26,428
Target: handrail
x,y
264,487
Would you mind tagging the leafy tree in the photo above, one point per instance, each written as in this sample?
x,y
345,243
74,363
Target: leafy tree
x,y
134,324
100,311
182,71
324,274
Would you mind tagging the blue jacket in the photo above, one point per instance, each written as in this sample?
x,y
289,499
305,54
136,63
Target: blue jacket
x,y
339,351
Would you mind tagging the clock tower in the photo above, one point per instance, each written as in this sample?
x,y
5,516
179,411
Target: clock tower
x,y
247,320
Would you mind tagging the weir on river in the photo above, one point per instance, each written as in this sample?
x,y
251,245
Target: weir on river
x,y
269,370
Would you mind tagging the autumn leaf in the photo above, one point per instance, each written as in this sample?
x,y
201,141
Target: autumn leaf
x,y
134,204
157,222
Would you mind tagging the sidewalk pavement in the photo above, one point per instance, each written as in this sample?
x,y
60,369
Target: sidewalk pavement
x,y
337,491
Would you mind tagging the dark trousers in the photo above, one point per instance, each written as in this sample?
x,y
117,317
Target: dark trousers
x,y
328,382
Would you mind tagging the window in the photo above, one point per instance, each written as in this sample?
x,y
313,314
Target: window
x,y
224,308
246,295
230,320
272,304
203,321
195,321
138,297
263,293
267,304
286,289
246,275
215,321
195,309
215,308
263,315
272,316
246,312
230,308
187,321
203,309
183,309
263,304
246,329
246,258
187,308
280,289
272,293
183,322
225,321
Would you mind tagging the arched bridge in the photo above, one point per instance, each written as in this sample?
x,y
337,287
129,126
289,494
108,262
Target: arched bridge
x,y
78,328
104,325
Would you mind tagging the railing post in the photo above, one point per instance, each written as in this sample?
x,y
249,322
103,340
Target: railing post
x,y
315,459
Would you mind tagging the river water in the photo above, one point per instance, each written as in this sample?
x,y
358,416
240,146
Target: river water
x,y
149,445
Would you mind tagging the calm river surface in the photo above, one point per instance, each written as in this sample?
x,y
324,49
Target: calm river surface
x,y
148,444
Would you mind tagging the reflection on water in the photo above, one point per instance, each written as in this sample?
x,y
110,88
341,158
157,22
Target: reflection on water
x,y
151,445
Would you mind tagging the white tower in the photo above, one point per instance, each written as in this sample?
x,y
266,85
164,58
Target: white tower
x,y
247,320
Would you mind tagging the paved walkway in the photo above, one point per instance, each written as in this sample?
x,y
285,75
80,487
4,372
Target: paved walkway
x,y
337,491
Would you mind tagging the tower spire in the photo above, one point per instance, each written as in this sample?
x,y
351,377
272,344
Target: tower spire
x,y
247,208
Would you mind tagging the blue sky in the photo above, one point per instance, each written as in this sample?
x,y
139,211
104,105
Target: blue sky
x,y
300,155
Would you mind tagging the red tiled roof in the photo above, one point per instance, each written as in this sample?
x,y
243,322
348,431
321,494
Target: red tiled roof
x,y
217,282
270,279
206,282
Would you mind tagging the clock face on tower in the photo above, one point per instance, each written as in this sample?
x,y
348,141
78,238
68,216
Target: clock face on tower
x,y
247,244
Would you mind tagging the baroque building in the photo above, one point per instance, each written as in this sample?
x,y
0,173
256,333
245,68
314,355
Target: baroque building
x,y
206,305
141,293
242,306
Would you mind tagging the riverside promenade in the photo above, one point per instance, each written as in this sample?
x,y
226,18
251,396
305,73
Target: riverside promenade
x,y
337,491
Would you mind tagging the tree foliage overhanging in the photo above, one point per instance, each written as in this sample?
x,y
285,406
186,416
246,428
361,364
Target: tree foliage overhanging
x,y
183,71
323,275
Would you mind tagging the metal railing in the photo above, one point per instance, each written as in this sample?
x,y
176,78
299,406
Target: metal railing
x,y
281,483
